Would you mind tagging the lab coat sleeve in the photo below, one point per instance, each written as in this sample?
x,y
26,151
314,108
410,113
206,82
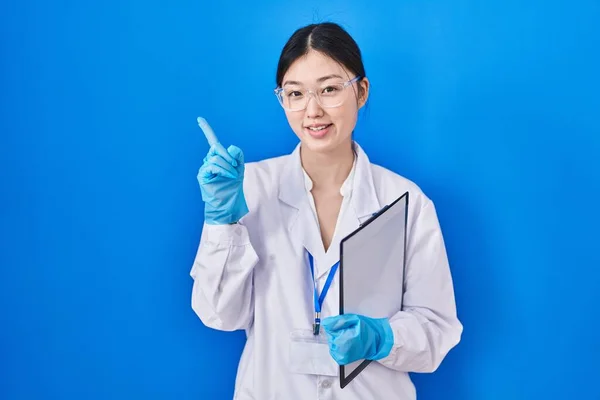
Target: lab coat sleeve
x,y
222,293
427,328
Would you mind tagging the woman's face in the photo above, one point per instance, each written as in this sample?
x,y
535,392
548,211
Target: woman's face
x,y
319,128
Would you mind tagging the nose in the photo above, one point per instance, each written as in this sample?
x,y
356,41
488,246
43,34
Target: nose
x,y
313,109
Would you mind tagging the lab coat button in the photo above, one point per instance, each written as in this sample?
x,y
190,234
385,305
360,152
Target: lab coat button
x,y
326,384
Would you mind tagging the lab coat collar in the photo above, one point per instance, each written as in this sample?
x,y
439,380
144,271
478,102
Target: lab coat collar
x,y
302,224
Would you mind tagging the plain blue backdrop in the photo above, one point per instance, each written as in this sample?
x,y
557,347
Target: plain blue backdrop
x,y
491,107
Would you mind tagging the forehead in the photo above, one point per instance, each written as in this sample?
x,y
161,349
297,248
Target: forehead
x,y
312,66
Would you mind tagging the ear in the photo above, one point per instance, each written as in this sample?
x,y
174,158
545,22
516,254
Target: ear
x,y
364,85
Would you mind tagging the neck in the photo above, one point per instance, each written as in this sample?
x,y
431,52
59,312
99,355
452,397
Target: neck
x,y
328,170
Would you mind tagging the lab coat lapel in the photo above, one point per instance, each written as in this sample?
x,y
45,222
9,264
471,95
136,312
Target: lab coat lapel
x,y
301,222
364,196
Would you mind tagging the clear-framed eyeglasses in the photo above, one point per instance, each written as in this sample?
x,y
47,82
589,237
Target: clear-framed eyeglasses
x,y
330,95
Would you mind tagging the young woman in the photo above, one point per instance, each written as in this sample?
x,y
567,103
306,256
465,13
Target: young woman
x,y
265,220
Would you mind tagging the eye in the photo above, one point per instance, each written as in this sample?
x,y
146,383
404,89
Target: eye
x,y
293,93
331,89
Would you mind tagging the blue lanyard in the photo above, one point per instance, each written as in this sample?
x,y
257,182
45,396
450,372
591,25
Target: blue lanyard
x,y
318,299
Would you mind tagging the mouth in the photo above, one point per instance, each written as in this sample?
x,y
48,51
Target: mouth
x,y
317,130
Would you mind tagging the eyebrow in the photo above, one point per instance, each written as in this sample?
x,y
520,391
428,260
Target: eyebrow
x,y
321,79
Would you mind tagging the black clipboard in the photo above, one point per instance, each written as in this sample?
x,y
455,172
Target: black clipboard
x,y
372,240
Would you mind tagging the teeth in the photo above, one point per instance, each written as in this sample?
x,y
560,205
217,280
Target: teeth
x,y
318,129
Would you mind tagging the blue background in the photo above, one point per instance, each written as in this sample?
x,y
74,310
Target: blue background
x,y
491,107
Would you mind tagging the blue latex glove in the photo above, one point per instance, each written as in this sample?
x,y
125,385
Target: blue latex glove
x,y
221,179
353,337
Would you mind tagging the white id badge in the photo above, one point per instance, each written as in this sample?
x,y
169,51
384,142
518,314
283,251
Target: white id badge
x,y
309,354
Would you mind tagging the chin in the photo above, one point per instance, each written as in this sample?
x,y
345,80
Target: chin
x,y
320,145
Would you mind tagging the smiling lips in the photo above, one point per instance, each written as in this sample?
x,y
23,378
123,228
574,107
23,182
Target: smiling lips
x,y
317,130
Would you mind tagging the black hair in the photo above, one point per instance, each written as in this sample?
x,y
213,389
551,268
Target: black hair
x,y
327,38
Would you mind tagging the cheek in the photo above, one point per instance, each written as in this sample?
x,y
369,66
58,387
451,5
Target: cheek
x,y
345,118
294,119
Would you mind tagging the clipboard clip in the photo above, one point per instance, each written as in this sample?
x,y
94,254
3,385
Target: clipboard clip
x,y
375,215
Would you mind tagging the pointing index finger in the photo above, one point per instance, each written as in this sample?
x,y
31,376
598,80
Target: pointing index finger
x,y
214,143
208,132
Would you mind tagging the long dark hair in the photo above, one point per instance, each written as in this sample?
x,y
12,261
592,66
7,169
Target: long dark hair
x,y
328,38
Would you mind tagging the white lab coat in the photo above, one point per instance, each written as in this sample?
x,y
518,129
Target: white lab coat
x,y
254,276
